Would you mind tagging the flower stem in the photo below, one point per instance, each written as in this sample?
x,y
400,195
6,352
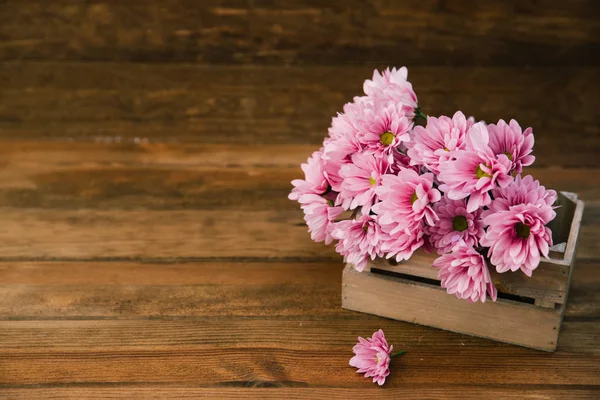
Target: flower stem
x,y
419,114
398,353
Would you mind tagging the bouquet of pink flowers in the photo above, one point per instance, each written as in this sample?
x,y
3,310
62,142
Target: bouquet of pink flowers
x,y
447,184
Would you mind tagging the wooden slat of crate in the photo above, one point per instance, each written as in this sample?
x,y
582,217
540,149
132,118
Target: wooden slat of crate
x,y
547,286
404,297
549,283
504,320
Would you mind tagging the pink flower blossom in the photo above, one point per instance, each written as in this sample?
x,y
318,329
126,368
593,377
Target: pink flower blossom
x,y
455,224
406,199
402,243
372,357
382,128
401,161
320,215
360,179
430,145
518,236
342,142
392,86
332,165
510,140
521,191
464,272
359,240
475,171
314,179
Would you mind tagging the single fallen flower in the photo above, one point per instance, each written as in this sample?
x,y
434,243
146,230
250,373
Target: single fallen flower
x,y
373,356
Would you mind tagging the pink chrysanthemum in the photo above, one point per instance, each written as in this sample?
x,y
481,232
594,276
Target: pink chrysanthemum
x,y
518,236
406,199
382,128
372,357
342,141
464,272
314,179
404,242
392,86
522,191
360,179
475,171
510,140
455,224
401,161
431,145
359,240
320,215
405,207
332,165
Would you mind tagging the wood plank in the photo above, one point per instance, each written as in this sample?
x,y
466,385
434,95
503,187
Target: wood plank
x,y
506,321
302,32
130,102
97,290
154,176
298,334
59,175
293,368
221,272
193,290
408,391
148,234
46,233
548,283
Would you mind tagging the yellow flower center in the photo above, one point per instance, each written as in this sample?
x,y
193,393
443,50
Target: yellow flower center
x,y
372,181
414,198
459,223
522,230
446,149
387,138
507,154
479,173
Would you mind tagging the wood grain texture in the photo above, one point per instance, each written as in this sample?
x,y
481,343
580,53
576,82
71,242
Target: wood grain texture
x,y
303,32
257,391
549,283
250,105
116,289
506,321
157,176
147,245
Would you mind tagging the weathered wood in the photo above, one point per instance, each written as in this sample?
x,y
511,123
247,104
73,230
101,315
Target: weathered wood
x,y
60,175
548,285
47,233
303,32
84,289
146,234
258,391
506,321
214,366
301,333
248,105
535,326
159,137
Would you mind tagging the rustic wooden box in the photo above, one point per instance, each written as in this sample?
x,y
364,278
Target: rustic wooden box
x,y
528,311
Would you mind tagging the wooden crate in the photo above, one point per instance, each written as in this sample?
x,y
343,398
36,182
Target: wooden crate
x,y
528,311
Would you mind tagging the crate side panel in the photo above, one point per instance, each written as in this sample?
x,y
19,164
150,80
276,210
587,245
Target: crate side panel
x,y
547,286
505,321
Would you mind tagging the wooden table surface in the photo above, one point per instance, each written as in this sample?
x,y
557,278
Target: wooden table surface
x,y
147,245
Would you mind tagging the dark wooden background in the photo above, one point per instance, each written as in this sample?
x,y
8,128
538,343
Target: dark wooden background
x,y
147,247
